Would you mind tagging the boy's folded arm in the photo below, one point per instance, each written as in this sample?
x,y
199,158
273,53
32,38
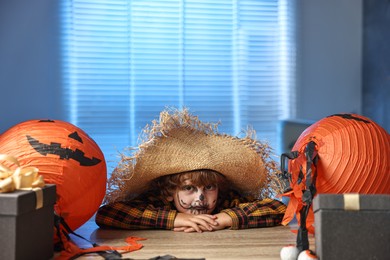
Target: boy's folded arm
x,y
260,213
127,215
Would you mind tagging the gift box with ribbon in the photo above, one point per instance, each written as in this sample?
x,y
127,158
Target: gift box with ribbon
x,y
27,223
26,212
352,226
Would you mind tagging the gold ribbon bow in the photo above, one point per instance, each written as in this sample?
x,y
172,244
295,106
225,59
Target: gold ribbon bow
x,y
21,178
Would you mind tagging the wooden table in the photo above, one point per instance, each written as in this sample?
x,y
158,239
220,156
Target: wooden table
x,y
258,243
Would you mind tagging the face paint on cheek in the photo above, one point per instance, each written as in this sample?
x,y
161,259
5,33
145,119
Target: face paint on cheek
x,y
187,204
183,204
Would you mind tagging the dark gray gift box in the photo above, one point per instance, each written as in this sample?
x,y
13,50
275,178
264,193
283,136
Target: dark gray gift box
x,y
27,232
352,226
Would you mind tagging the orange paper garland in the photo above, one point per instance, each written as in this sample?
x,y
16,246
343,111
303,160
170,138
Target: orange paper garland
x,y
72,250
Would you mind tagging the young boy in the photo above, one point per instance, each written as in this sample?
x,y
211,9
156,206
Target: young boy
x,y
189,178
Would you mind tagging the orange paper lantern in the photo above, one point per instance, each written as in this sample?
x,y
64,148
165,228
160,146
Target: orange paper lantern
x,y
66,156
353,157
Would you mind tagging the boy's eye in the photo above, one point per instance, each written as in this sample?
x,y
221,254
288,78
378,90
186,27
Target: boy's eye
x,y
210,187
187,187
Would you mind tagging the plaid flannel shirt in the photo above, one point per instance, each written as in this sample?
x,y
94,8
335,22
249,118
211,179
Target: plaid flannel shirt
x,y
151,211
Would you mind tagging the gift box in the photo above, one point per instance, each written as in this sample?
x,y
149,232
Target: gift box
x,y
352,226
27,223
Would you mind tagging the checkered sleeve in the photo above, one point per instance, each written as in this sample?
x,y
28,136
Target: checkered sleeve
x,y
136,214
259,213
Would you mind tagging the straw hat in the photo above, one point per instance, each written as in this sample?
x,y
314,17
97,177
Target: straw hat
x,y
180,142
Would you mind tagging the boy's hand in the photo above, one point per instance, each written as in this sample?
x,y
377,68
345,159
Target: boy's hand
x,y
191,223
223,220
219,221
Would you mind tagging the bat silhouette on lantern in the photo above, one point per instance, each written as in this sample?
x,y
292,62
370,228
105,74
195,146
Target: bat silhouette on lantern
x,y
64,153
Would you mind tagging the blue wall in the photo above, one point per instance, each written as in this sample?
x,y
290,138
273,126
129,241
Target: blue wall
x,y
329,57
376,61
29,61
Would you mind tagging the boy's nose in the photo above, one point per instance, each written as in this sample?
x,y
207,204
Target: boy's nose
x,y
201,197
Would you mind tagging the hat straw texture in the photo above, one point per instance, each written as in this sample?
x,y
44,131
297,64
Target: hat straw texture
x,y
179,142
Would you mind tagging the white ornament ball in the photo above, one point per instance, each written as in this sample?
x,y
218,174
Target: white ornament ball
x,y
307,255
289,252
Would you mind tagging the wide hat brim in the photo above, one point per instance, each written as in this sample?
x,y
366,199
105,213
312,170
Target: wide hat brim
x,y
179,142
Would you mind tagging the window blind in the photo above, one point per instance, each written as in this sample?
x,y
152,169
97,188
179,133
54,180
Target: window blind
x,y
227,61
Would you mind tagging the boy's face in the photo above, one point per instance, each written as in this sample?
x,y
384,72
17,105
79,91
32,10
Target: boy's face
x,y
192,199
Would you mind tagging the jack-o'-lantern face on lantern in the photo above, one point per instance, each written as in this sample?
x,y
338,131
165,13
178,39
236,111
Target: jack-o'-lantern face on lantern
x,y
64,152
66,156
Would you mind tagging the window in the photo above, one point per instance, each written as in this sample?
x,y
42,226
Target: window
x,y
228,61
